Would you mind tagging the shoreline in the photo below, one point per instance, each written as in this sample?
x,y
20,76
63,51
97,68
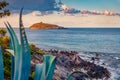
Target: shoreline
x,y
104,61
87,56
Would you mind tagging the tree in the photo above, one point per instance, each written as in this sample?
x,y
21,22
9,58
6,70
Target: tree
x,y
3,10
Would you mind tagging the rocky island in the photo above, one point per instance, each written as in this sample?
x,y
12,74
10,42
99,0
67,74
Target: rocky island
x,y
41,25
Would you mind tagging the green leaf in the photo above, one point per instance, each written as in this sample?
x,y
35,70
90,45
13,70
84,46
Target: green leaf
x,y
71,74
45,71
1,66
52,62
25,48
10,51
16,47
38,71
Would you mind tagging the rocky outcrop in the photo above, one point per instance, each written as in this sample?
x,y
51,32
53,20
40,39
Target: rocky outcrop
x,y
69,61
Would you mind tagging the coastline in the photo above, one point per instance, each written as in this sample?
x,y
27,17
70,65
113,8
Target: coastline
x,y
111,62
104,61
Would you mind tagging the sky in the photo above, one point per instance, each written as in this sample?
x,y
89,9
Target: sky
x,y
68,15
112,5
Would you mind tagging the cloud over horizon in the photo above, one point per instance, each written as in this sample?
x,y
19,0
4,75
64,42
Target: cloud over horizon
x,y
69,10
47,6
78,20
63,15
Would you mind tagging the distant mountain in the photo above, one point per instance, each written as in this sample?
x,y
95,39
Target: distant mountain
x,y
42,25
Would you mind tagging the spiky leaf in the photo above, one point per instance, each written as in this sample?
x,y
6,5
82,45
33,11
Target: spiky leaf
x,y
78,72
38,71
45,71
25,51
1,66
16,47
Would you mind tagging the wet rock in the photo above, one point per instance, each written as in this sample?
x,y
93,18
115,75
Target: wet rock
x,y
68,61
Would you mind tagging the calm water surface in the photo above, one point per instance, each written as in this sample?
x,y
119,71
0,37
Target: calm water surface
x,y
105,40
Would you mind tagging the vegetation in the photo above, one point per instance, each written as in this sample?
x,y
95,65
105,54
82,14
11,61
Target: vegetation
x,y
3,10
4,43
4,40
7,63
35,50
2,32
21,54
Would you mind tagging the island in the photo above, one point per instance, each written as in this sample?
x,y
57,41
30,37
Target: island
x,y
41,25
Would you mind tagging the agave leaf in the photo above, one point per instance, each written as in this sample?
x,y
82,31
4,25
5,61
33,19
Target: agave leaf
x,y
12,46
12,67
38,71
10,51
12,60
15,39
15,45
51,68
71,74
45,71
25,64
1,66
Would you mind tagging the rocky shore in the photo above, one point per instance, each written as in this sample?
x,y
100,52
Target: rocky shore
x,y
69,61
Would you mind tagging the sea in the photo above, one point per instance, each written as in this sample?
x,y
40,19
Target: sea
x,y
105,41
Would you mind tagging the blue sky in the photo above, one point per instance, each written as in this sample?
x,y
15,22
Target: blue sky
x,y
64,19
112,5
100,5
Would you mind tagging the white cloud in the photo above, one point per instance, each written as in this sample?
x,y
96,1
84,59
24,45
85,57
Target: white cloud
x,y
64,7
36,13
79,20
69,10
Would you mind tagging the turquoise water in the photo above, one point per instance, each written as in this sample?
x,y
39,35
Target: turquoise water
x,y
105,40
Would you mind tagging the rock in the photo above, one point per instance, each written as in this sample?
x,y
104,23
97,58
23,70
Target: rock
x,y
69,61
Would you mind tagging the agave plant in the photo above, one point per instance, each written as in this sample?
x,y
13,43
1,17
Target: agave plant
x,y
20,68
21,53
